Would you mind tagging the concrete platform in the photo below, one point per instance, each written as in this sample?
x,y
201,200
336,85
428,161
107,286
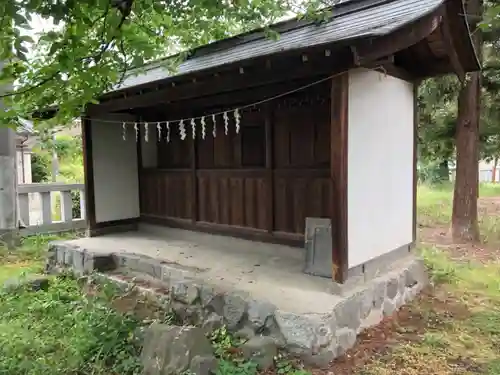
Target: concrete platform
x,y
268,272
248,285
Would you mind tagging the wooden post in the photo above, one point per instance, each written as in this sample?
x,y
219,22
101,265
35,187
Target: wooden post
x,y
140,165
88,169
194,187
269,167
339,96
416,84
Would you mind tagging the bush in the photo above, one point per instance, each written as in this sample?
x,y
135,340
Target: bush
x,y
40,167
62,331
432,173
75,198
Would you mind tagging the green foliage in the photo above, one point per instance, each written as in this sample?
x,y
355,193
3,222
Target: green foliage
x,y
433,172
437,115
95,44
438,102
68,147
441,270
69,155
222,342
231,363
28,257
75,200
228,367
286,367
62,331
40,167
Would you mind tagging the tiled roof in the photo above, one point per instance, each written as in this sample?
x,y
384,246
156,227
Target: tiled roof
x,y
350,20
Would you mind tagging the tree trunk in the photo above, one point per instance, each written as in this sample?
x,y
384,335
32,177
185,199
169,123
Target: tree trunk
x,y
464,223
494,170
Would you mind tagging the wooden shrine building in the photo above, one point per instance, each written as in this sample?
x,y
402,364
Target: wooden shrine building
x,y
320,123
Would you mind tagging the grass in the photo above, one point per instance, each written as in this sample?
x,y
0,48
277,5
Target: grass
x,y
28,257
435,202
455,327
458,324
64,332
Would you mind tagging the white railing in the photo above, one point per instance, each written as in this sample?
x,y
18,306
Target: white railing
x,y
48,207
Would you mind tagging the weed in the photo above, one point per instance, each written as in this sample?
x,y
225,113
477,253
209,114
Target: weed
x,y
494,367
284,367
62,331
441,270
232,367
459,321
28,257
434,340
223,343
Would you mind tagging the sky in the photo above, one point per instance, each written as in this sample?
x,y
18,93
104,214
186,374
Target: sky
x,y
39,25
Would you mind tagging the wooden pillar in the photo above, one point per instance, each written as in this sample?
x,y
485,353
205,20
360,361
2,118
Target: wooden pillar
x,y
269,167
140,167
88,169
338,173
194,187
416,84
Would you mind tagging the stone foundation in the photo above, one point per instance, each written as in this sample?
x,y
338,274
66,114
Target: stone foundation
x,y
316,338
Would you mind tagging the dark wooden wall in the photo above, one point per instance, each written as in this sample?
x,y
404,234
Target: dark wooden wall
x,y
267,179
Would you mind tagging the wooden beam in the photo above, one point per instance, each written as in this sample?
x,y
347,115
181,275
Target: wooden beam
x,y
247,233
456,21
367,51
451,50
396,72
88,169
338,173
226,100
220,84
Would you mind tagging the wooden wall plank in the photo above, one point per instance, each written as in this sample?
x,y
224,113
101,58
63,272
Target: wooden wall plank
x,y
250,203
264,194
225,200
237,205
272,182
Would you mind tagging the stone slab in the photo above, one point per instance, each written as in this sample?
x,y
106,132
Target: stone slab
x,y
318,245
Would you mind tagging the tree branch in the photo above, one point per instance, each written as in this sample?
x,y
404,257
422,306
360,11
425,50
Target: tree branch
x,y
96,57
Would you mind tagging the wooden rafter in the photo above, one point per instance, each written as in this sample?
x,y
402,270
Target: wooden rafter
x,y
214,83
366,52
451,50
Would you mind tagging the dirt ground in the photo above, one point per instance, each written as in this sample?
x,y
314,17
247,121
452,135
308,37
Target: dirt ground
x,y
484,251
428,311
405,326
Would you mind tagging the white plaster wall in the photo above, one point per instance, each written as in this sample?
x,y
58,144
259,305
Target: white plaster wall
x,y
114,160
380,165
